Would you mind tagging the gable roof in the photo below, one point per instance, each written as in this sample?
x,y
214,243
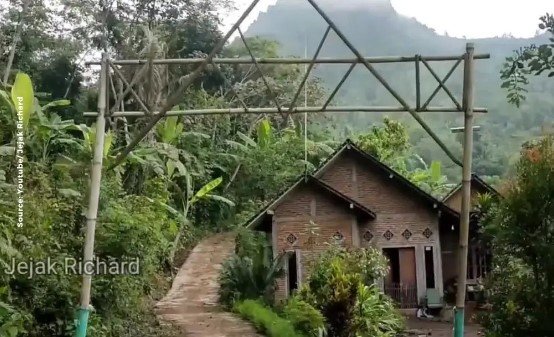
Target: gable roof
x,y
351,147
475,179
312,181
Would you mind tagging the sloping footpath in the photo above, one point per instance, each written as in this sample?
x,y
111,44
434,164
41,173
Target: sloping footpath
x,y
192,302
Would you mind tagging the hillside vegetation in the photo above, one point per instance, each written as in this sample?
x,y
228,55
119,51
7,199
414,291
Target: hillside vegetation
x,y
376,29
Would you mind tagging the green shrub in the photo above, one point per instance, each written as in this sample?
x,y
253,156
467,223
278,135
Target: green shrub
x,y
339,290
247,278
251,273
265,319
520,226
369,263
305,318
375,314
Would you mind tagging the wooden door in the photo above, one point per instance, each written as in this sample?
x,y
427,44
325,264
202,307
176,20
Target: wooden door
x,y
407,266
408,282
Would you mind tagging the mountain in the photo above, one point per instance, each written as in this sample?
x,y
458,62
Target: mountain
x,y
376,29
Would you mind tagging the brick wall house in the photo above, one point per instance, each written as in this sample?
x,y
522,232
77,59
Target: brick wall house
x,y
479,256
355,200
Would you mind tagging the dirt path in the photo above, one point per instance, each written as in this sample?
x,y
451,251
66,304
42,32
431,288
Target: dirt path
x,y
191,304
440,329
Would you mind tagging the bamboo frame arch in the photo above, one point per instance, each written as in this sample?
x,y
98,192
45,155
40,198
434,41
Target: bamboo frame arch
x,y
104,111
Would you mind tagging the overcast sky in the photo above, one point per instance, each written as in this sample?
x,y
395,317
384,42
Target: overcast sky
x,y
470,18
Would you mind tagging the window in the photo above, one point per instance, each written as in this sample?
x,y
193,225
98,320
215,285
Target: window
x,y
292,264
429,268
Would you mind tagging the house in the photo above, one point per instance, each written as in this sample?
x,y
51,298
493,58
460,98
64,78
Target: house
x,y
355,200
479,256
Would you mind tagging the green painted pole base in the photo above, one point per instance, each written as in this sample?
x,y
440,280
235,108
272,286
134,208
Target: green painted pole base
x,y
458,322
82,322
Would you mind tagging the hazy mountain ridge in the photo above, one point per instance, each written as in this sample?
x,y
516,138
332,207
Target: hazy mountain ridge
x,y
376,29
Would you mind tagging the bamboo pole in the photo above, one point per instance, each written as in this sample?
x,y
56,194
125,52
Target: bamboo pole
x,y
385,84
341,82
94,196
441,83
438,88
309,68
16,38
468,99
417,82
293,60
295,110
271,93
130,87
176,97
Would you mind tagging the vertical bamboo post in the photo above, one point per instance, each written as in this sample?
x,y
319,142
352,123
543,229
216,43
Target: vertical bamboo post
x,y
16,38
94,195
466,190
418,83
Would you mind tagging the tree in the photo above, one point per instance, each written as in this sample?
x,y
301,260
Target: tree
x,y
390,144
531,59
521,227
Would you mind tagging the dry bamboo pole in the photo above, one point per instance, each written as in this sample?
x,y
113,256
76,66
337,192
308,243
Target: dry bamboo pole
x,y
133,92
94,196
272,94
437,89
341,82
441,83
467,102
294,60
417,82
309,68
295,110
16,38
385,84
176,97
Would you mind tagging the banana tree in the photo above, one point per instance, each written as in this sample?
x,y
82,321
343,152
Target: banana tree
x,y
431,179
26,113
188,200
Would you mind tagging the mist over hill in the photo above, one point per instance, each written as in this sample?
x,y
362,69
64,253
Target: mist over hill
x,y
376,29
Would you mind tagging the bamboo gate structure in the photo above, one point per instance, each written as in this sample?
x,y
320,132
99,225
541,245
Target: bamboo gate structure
x,y
109,67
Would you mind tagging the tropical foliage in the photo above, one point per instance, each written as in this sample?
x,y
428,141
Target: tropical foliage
x,y
390,144
520,228
529,60
305,318
252,272
342,288
192,175
265,319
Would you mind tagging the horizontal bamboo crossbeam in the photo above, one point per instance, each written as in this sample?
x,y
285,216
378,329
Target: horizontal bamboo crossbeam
x,y
292,60
235,111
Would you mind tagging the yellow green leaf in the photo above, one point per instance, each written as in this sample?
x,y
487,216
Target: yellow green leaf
x,y
23,97
206,189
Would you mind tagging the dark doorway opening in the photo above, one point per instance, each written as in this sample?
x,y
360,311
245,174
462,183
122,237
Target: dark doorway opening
x,y
400,282
429,268
292,272
394,265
